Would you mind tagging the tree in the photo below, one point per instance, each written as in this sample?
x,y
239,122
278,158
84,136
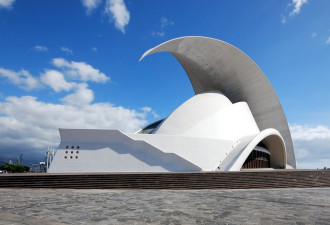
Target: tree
x,y
14,168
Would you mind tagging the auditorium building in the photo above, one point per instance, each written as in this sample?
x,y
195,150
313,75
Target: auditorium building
x,y
233,122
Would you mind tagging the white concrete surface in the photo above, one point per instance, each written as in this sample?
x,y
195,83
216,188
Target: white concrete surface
x,y
214,65
234,109
112,151
210,115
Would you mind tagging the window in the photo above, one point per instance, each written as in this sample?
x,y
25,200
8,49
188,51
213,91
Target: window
x,y
151,127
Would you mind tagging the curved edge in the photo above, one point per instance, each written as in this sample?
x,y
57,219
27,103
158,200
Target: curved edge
x,y
203,73
274,143
158,47
171,48
146,53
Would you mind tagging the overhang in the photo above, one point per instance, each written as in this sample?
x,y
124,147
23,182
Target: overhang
x,y
214,65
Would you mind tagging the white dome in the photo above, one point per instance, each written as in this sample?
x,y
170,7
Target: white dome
x,y
210,115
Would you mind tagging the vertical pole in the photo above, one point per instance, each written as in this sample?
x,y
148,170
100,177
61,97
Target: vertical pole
x,y
47,160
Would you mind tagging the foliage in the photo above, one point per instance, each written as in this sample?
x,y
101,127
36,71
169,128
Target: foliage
x,y
14,168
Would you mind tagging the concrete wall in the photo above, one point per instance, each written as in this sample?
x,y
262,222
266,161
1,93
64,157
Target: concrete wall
x,y
112,151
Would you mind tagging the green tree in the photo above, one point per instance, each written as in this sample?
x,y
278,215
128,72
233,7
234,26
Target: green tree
x,y
15,168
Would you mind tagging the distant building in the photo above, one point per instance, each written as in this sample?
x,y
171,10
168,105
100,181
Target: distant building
x,y
235,121
38,167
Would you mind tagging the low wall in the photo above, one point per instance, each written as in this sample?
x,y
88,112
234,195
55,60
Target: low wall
x,y
209,180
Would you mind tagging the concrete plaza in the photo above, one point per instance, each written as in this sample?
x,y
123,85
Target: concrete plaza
x,y
250,206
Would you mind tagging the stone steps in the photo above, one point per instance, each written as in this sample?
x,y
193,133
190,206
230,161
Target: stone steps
x,y
206,180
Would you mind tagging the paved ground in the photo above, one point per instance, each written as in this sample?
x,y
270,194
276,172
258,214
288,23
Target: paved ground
x,y
257,206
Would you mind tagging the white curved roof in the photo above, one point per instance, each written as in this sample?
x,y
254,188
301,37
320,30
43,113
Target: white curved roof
x,y
193,111
214,65
210,115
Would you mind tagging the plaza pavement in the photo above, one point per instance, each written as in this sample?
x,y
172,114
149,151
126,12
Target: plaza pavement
x,y
253,206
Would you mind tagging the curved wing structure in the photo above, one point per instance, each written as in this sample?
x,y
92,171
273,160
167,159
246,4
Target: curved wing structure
x,y
234,122
214,65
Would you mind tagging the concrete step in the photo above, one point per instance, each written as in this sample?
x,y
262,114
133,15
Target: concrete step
x,y
206,180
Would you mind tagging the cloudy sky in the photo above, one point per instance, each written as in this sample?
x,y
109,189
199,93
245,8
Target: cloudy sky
x,y
75,64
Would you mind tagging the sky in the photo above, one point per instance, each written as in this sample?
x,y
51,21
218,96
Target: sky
x,y
75,64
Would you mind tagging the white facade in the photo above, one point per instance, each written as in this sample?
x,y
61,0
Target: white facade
x,y
215,130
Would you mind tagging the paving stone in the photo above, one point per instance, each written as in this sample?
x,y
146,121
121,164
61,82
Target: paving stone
x,y
253,206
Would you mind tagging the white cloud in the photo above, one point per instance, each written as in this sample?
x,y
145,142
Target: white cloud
x,y
67,50
90,5
60,62
164,22
56,81
157,34
328,41
116,9
283,19
314,34
309,133
94,49
29,126
80,70
147,109
82,96
297,4
311,145
21,78
6,3
295,7
40,48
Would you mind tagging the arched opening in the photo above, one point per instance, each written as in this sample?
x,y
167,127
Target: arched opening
x,y
268,140
258,158
268,153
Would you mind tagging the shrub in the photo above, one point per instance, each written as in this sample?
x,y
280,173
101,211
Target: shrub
x,y
14,168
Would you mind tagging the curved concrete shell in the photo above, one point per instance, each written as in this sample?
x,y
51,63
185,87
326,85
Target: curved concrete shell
x,y
234,122
214,65
274,143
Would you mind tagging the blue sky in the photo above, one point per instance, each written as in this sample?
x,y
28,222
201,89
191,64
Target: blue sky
x,y
75,64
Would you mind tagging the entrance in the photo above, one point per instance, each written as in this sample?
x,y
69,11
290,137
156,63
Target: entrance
x,y
258,158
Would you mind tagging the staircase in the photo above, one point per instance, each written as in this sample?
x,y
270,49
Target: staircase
x,y
206,180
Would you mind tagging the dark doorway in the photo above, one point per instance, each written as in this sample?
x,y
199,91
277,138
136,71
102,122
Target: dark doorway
x,y
257,159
